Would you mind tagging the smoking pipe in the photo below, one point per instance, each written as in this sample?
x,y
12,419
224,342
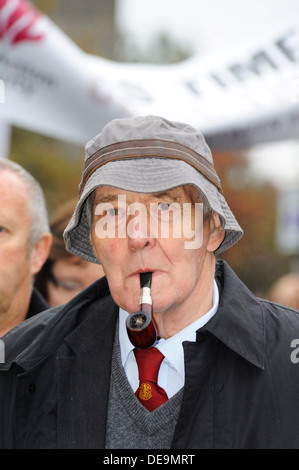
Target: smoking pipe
x,y
141,326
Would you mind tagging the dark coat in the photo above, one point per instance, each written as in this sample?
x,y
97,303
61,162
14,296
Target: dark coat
x,y
37,304
241,386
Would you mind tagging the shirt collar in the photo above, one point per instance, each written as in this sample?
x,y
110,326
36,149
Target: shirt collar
x,y
171,348
240,322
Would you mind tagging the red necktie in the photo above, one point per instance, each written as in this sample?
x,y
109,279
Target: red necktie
x,y
149,393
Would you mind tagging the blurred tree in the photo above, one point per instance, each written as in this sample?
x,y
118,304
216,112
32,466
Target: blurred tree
x,y
163,49
56,165
254,205
46,6
89,24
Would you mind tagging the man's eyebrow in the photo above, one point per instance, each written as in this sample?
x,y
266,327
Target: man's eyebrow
x,y
106,198
159,195
169,194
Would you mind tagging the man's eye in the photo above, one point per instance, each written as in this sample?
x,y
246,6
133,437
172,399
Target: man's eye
x,y
112,212
116,211
163,207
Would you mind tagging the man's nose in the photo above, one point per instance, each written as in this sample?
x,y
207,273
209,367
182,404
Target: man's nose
x,y
139,232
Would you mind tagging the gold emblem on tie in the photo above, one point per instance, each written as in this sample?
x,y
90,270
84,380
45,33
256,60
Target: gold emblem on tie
x,y
145,391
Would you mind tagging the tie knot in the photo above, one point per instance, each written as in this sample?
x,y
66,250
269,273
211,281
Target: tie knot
x,y
148,361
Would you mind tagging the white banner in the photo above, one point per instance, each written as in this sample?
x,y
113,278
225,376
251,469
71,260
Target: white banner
x,y
237,97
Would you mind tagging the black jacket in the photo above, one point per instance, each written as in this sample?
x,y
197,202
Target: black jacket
x,y
241,385
37,304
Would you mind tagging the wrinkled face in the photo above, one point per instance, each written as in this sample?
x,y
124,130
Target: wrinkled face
x,y
129,235
16,267
71,276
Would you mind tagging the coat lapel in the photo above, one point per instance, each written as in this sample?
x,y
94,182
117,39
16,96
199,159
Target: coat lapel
x,y
83,376
196,419
238,325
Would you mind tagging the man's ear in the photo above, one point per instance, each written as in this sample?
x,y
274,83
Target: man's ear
x,y
217,233
40,252
92,246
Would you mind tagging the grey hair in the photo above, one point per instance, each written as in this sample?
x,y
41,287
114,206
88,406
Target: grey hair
x,y
36,202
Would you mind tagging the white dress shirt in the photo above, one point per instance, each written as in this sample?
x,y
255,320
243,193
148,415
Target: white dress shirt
x,y
172,371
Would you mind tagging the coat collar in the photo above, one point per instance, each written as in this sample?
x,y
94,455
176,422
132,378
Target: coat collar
x,y
32,341
37,304
81,415
239,322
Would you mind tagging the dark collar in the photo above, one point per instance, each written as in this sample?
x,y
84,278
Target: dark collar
x,y
34,339
37,304
239,322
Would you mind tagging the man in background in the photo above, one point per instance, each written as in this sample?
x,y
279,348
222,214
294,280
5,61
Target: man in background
x,y
25,242
64,275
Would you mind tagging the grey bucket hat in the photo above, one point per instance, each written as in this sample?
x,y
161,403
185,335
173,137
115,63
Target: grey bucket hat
x,y
147,154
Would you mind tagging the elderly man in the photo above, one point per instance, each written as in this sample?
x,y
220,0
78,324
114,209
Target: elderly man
x,y
169,350
25,242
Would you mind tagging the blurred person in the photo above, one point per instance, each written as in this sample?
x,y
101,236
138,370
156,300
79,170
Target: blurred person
x,y
25,242
64,275
285,291
211,367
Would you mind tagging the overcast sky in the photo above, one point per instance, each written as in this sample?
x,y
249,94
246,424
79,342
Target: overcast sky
x,y
206,23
